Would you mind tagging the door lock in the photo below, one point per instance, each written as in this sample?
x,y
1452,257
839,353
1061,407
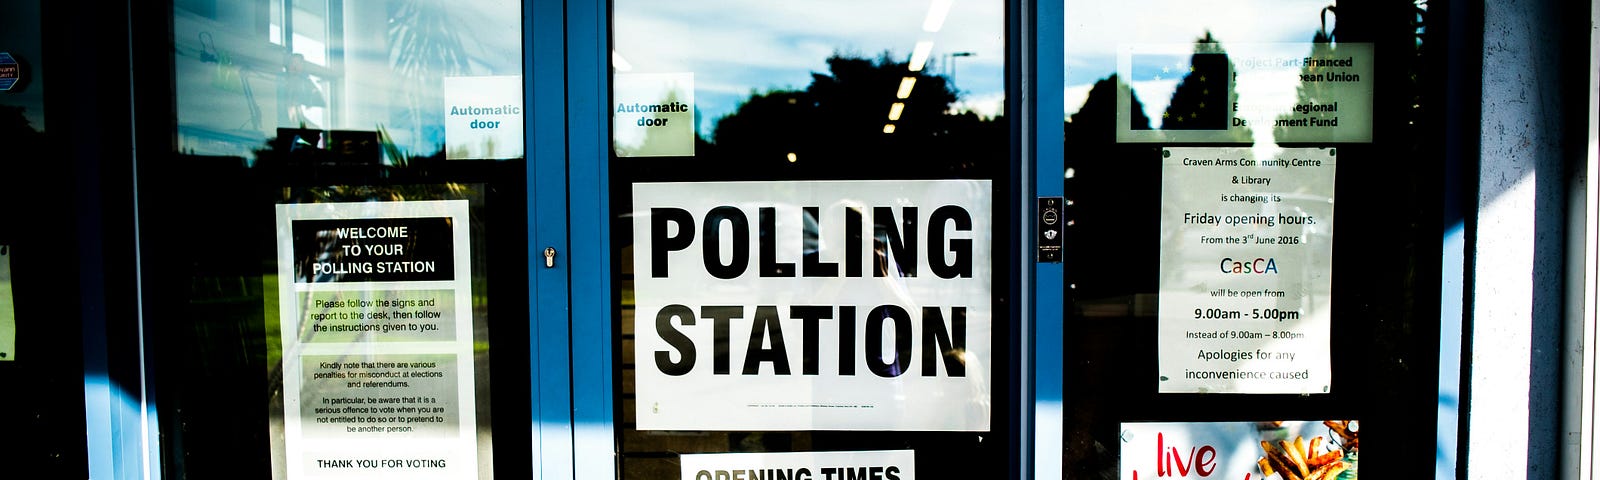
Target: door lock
x,y
549,257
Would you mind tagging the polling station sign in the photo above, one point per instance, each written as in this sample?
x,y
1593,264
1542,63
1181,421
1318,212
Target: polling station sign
x,y
822,305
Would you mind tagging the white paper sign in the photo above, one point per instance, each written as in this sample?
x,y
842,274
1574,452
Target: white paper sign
x,y
1246,270
653,114
828,305
483,117
1246,92
376,323
8,311
864,465
1234,450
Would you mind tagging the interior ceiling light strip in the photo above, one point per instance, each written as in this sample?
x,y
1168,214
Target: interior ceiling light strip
x,y
919,55
905,87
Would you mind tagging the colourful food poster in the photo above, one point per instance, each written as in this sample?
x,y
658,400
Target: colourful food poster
x,y
1268,450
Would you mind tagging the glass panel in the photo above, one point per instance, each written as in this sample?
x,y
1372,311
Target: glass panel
x,y
1213,306
343,327
418,73
41,340
808,203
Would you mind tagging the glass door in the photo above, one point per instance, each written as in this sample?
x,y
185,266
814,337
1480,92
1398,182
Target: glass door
x,y
335,239
1254,193
41,347
809,239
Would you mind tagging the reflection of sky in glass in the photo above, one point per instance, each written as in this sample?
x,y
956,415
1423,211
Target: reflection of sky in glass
x,y
1096,29
1153,78
736,48
237,82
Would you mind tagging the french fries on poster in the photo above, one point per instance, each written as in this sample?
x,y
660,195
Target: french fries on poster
x,y
1269,450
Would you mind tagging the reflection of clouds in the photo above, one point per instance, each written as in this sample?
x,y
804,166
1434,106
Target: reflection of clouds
x,y
491,34
1095,30
744,47
986,105
1073,96
1097,27
1154,95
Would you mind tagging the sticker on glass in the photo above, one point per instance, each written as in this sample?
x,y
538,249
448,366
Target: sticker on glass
x,y
1251,93
653,114
483,117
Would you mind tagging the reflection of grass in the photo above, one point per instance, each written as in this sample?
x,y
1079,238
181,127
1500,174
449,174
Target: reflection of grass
x,y
269,317
480,289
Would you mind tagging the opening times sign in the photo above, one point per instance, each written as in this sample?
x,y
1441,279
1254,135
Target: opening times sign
x,y
825,305
862,465
1246,270
376,325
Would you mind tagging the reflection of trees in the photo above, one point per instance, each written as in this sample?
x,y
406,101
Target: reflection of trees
x,y
835,127
1113,249
24,160
1204,98
1309,92
1111,254
382,193
654,140
1113,187
15,129
424,47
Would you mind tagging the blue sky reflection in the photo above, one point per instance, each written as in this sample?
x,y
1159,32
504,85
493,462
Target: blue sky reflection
x,y
1096,29
736,48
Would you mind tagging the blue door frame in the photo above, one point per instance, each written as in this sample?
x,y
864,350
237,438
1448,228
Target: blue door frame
x,y
548,288
1034,32
1048,309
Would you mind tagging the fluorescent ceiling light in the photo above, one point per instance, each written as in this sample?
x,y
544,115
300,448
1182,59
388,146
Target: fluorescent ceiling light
x,y
905,87
936,14
888,128
919,55
894,111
